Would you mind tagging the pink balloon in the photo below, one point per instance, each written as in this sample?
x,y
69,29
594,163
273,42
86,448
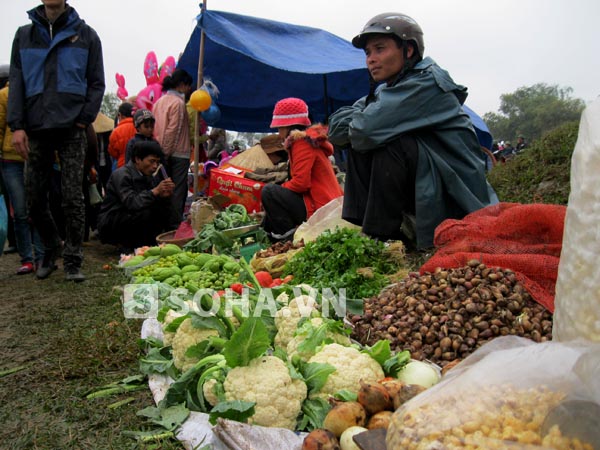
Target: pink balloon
x,y
121,91
151,68
154,75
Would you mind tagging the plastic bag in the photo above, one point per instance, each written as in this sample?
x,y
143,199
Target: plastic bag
x,y
500,396
202,212
577,313
273,264
327,217
95,197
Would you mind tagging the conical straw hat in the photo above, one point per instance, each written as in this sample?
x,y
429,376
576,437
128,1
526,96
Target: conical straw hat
x,y
103,123
252,159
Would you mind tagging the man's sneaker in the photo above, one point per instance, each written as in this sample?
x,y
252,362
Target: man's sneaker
x,y
48,264
25,268
74,274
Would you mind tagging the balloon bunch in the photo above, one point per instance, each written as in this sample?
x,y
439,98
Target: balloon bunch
x,y
154,74
203,101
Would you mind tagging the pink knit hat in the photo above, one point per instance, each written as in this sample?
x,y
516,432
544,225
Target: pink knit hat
x,y
290,111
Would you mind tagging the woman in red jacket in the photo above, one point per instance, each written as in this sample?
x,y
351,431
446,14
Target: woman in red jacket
x,y
312,182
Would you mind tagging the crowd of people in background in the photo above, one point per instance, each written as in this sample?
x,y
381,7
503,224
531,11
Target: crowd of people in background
x,y
504,150
71,172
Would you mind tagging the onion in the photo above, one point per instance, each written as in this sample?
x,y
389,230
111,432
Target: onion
x,y
374,397
344,415
380,420
418,372
346,440
320,439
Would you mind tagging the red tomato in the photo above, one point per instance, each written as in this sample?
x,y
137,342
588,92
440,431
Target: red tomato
x,y
264,278
276,282
237,288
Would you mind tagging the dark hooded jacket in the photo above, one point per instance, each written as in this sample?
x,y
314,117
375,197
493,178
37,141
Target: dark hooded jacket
x,y
57,73
425,103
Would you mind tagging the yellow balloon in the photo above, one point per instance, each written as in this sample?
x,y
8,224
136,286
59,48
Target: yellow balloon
x,y
200,100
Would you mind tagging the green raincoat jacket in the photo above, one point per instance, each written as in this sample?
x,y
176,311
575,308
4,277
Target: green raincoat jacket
x,y
425,103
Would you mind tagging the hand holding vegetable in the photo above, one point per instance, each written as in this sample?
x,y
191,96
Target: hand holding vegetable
x,y
164,188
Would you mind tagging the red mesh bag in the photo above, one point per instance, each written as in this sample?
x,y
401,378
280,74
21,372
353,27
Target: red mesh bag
x,y
524,238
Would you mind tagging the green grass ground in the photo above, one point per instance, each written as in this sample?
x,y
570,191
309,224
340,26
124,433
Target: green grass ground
x,y
70,338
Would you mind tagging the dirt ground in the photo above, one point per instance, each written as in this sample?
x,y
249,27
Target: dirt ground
x,y
23,296
65,339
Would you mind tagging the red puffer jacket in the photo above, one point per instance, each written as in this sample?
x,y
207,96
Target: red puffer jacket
x,y
117,143
311,172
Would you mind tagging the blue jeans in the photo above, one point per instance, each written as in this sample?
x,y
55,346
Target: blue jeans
x,y
25,234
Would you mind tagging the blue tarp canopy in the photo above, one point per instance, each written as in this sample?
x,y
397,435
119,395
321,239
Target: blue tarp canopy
x,y
483,133
256,62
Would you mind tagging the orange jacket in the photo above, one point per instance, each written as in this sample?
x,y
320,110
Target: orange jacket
x,y
311,171
117,143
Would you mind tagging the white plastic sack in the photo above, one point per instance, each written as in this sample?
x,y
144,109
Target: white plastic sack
x,y
197,431
500,396
577,299
327,217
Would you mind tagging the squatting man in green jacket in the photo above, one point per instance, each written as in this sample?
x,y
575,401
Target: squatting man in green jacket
x,y
414,158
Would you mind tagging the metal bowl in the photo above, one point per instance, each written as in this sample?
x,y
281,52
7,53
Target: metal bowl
x,y
235,232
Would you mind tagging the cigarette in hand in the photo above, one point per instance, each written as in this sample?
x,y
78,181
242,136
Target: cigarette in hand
x,y
163,171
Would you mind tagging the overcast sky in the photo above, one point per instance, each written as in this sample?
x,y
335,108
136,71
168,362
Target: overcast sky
x,y
492,47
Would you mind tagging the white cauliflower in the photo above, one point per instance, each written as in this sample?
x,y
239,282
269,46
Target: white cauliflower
x,y
287,318
169,317
351,367
185,337
267,382
208,389
292,347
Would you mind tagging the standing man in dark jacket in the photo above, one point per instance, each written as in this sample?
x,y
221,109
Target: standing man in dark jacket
x,y
57,85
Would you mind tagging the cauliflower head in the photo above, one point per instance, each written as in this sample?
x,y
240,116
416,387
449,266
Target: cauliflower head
x,y
169,317
292,347
351,366
267,382
208,389
287,318
185,337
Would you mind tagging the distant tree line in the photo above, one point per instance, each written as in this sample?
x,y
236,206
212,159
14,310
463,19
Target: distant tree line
x,y
532,111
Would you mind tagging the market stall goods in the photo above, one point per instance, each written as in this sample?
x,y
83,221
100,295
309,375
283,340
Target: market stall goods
x,y
505,396
446,315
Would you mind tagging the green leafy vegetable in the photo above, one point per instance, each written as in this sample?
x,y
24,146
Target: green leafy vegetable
x,y
315,375
169,418
380,352
346,396
343,258
313,414
396,363
237,410
157,360
249,341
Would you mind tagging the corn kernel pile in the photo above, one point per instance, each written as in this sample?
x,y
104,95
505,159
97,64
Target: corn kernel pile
x,y
497,417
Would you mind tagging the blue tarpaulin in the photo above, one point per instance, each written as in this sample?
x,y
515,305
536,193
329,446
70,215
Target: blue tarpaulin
x,y
256,62
483,133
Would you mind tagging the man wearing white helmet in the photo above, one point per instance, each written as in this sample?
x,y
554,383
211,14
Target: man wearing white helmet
x,y
414,156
